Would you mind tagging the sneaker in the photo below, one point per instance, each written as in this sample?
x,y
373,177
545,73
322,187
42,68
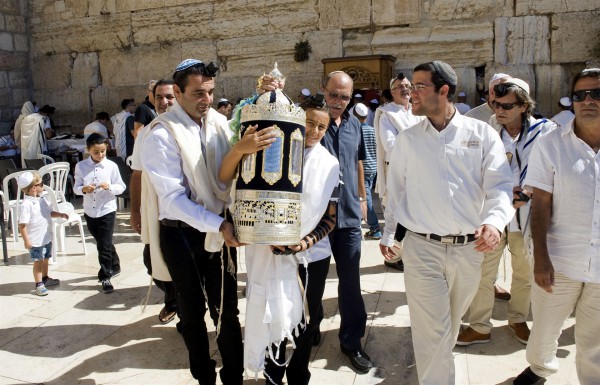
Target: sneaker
x,y
521,331
107,287
527,377
51,281
469,336
41,290
373,234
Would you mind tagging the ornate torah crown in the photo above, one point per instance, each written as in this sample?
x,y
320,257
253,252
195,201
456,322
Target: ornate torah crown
x,y
273,106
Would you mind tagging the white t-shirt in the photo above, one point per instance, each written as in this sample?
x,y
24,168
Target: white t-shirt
x,y
35,213
96,127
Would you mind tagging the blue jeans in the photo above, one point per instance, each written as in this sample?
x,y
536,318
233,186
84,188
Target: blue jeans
x,y
372,219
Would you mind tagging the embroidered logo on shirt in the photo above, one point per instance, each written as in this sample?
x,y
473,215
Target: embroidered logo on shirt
x,y
472,144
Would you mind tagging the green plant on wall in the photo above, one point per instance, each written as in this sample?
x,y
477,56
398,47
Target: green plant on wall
x,y
302,50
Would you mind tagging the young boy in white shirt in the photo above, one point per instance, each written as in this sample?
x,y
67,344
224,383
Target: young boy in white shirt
x,y
34,218
99,181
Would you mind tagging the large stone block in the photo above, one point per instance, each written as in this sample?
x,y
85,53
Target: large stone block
x,y
12,60
20,96
468,9
335,14
396,12
136,66
6,41
91,34
158,25
522,40
575,37
14,23
21,43
541,7
106,7
471,44
78,8
72,106
4,79
86,71
52,72
467,83
10,7
553,82
5,97
358,43
18,79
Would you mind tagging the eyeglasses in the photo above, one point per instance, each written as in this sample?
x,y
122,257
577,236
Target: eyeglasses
x,y
505,106
579,96
209,69
404,87
421,87
335,95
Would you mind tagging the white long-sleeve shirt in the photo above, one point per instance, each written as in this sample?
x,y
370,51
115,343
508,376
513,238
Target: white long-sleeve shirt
x,y
448,182
161,159
99,202
394,118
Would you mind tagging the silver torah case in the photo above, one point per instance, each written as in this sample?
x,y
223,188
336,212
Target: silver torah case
x,y
269,184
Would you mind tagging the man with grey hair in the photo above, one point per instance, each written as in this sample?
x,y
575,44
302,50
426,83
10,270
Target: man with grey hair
x,y
451,191
519,132
485,111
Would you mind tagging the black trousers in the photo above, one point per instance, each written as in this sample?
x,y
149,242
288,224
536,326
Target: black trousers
x,y
195,272
166,286
102,229
297,372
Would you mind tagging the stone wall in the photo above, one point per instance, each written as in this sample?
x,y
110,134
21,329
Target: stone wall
x,y
86,55
15,80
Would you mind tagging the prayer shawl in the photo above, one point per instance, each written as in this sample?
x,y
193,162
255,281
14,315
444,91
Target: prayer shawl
x,y
200,174
25,111
533,130
275,304
397,116
118,122
33,138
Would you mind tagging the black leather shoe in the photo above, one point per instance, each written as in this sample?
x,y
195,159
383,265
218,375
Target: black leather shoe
x,y
317,338
395,265
527,377
359,359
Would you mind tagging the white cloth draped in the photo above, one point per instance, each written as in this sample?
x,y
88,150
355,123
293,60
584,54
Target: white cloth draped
x,y
33,138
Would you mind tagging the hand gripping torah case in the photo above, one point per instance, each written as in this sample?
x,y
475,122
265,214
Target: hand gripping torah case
x,y
269,183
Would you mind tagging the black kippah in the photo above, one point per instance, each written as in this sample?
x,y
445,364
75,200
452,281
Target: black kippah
x,y
446,72
316,101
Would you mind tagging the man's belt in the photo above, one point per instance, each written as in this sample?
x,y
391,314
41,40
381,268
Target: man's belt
x,y
450,239
173,223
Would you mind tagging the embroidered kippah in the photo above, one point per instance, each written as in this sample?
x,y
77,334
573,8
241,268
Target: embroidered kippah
x,y
187,63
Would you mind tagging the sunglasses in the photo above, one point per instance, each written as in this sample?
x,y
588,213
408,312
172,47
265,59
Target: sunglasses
x,y
579,96
335,95
504,106
403,87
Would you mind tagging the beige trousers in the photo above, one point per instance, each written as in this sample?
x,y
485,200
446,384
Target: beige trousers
x,y
550,310
480,311
441,281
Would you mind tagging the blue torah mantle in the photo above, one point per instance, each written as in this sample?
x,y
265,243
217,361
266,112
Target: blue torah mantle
x,y
269,184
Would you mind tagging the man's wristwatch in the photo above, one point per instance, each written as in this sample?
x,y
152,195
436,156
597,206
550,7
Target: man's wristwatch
x,y
362,199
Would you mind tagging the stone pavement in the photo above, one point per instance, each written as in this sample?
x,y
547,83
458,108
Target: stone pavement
x,y
79,335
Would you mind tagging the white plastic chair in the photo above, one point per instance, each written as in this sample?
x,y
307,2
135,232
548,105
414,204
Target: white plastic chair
x,y
11,207
58,224
47,159
59,174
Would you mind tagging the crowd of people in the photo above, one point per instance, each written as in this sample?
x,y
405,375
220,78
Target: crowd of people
x,y
460,188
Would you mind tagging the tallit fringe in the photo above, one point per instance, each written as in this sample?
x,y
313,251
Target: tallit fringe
x,y
144,302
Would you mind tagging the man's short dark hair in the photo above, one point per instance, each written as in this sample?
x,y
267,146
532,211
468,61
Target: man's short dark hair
x,y
162,82
94,139
436,78
586,73
102,116
126,102
180,78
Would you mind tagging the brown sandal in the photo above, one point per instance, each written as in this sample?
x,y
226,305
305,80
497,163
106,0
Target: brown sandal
x,y
165,316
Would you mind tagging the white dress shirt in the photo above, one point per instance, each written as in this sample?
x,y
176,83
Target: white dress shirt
x,y
95,127
563,118
136,155
448,182
568,168
161,159
99,202
394,118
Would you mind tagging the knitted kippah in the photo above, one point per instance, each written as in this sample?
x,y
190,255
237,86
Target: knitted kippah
x,y
445,71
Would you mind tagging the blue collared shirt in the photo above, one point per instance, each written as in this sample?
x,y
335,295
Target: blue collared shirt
x,y
346,143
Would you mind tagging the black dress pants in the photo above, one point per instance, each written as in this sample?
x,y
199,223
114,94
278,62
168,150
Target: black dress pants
x,y
102,229
195,272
